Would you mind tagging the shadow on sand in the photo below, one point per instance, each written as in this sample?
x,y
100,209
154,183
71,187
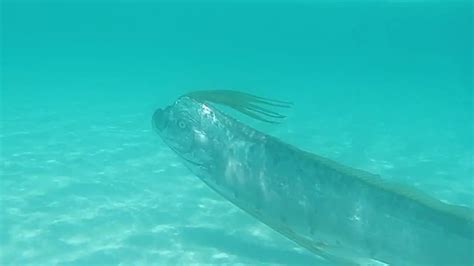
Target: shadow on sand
x,y
243,247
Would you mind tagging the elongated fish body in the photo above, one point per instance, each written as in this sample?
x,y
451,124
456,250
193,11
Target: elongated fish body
x,y
345,215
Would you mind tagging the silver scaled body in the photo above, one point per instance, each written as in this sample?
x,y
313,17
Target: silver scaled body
x,y
347,216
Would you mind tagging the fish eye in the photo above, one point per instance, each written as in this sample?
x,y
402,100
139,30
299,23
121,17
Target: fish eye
x,y
181,124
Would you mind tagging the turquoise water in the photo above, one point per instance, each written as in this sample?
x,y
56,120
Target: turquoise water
x,y
385,86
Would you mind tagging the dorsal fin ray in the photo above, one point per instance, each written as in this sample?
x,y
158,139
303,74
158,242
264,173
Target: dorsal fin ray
x,y
248,104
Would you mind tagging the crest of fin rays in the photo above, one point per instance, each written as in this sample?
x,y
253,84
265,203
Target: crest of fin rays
x,y
248,104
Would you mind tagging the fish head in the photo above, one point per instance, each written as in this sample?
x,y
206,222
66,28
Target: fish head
x,y
188,127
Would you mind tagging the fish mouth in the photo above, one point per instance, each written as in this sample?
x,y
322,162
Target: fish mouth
x,y
158,120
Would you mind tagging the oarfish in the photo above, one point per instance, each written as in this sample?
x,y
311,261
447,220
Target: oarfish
x,y
345,215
